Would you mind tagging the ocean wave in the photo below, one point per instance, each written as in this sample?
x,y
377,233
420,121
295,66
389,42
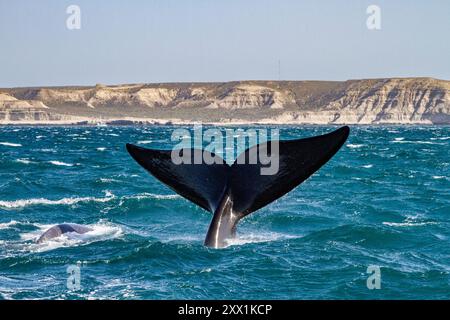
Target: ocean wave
x,y
108,180
144,142
439,177
258,237
60,163
409,223
417,142
441,138
355,146
10,144
6,225
21,203
101,149
146,195
368,166
440,236
182,239
24,161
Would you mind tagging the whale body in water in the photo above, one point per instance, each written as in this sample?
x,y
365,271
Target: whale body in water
x,y
232,192
60,229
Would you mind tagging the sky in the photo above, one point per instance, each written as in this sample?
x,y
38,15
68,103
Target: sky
x,y
138,41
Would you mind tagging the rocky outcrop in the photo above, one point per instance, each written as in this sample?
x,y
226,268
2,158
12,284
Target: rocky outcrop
x,y
393,101
398,100
252,96
12,109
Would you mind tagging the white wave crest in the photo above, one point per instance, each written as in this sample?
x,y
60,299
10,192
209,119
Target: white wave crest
x,y
7,225
24,161
257,237
441,138
408,224
146,195
355,146
21,203
108,180
10,144
417,142
60,163
144,142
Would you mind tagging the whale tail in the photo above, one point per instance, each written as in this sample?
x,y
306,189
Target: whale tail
x,y
232,192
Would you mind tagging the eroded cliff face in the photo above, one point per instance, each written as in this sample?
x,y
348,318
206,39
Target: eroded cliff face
x,y
409,100
12,109
393,101
252,96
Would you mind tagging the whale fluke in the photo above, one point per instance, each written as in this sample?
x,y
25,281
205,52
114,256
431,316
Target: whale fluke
x,y
232,192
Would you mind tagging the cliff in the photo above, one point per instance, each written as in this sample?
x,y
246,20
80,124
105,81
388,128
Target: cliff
x,y
374,101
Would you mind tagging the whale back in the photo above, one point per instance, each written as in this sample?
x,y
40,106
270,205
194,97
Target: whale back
x,y
60,229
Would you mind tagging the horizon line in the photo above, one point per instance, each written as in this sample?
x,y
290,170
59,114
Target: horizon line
x,y
214,82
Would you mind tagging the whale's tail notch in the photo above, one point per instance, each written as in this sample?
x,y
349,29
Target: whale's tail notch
x,y
232,192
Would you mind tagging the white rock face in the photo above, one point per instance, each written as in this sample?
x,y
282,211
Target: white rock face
x,y
6,97
252,96
154,97
18,110
393,101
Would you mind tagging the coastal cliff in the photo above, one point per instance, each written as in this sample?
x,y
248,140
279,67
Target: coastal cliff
x,y
374,101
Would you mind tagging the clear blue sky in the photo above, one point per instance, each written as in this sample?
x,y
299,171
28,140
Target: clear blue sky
x,y
220,40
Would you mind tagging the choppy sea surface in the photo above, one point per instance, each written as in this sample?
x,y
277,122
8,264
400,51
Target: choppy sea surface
x,y
383,201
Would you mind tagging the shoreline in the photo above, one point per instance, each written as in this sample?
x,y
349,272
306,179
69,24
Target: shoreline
x,y
179,122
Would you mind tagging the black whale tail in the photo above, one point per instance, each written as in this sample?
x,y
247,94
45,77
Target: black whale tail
x,y
232,192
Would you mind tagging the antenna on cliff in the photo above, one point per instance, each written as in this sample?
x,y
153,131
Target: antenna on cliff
x,y
279,70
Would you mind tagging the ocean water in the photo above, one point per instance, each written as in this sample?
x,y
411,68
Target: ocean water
x,y
383,200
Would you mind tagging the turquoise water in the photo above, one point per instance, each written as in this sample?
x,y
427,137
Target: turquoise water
x,y
383,200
